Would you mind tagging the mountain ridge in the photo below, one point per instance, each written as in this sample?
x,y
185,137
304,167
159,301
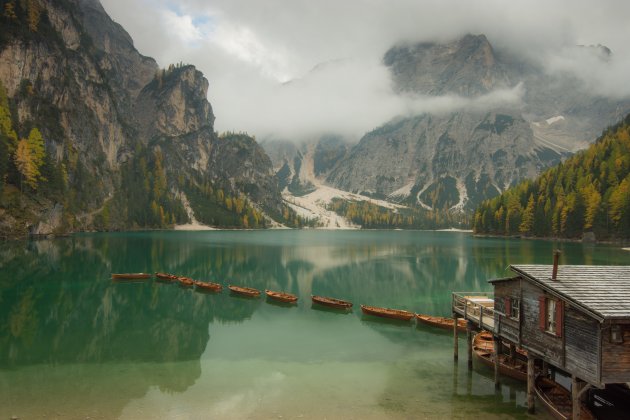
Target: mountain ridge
x,y
107,115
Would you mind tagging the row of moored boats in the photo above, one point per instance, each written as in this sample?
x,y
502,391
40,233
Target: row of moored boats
x,y
289,298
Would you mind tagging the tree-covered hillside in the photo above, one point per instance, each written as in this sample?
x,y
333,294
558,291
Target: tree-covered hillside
x,y
590,192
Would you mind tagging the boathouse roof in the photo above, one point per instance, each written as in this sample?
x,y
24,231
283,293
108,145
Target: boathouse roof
x,y
604,291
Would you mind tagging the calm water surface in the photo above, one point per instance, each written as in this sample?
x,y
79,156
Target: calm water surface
x,y
74,344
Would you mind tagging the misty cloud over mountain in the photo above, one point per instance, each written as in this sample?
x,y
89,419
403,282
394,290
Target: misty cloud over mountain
x,y
331,54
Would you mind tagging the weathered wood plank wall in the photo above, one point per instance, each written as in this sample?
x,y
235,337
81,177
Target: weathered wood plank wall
x,y
616,357
581,344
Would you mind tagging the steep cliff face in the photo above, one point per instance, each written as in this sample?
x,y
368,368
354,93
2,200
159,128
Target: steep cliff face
x,y
174,103
105,110
443,161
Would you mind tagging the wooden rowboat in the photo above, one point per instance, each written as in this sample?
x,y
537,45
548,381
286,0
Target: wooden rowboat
x,y
483,348
441,322
281,296
186,281
130,276
165,276
208,286
387,312
557,399
244,291
331,302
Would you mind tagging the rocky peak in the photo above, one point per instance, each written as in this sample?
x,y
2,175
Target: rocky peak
x,y
467,67
175,103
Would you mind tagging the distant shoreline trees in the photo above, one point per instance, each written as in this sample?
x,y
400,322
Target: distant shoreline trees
x,y
372,216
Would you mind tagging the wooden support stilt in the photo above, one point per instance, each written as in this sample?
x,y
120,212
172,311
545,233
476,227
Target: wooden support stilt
x,y
497,351
455,378
576,388
545,369
530,384
469,382
469,341
455,340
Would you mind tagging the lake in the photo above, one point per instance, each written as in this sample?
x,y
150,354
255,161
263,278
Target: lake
x,y
75,344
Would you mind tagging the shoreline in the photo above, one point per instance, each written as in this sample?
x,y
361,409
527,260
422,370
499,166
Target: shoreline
x,y
621,243
198,227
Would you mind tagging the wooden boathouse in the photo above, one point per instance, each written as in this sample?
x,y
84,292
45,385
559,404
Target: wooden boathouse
x,y
572,318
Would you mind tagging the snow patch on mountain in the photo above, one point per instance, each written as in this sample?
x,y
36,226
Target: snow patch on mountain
x,y
313,205
404,191
555,119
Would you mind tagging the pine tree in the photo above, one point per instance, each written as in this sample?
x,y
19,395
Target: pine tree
x,y
24,163
527,220
7,134
9,10
33,12
592,199
620,205
38,152
159,182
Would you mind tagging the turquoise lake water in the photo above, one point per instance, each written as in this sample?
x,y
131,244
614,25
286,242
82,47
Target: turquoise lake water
x,y
75,344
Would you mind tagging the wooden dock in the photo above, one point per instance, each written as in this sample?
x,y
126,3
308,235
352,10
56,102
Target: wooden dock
x,y
476,308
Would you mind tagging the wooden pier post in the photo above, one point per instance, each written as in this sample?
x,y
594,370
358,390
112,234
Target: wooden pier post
x,y
530,384
469,341
455,341
497,351
576,388
455,378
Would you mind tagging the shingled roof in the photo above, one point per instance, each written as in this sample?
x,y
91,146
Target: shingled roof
x,y
602,290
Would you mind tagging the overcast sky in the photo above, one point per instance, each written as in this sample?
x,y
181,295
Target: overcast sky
x,y
249,49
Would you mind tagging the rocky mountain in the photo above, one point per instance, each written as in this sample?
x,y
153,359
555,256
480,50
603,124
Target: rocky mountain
x,y
300,166
126,143
457,159
443,161
467,67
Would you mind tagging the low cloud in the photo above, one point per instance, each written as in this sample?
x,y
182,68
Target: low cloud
x,y
602,71
298,68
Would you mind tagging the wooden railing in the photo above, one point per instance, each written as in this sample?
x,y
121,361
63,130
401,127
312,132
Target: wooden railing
x,y
475,307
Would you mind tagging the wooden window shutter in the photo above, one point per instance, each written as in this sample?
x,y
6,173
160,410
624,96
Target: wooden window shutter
x,y
542,312
559,318
508,307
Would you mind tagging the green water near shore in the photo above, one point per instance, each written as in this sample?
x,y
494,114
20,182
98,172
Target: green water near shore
x,y
74,344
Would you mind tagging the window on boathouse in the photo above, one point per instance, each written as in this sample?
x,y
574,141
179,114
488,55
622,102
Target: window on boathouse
x,y
512,307
551,315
